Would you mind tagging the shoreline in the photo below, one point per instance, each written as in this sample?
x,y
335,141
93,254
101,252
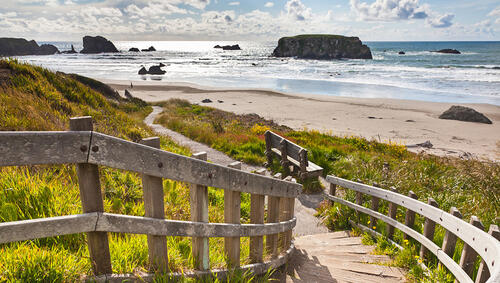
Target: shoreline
x,y
384,119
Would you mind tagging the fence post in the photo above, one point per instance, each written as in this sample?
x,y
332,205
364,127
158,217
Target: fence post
x,y
269,152
273,216
287,205
359,201
198,197
450,239
410,215
375,204
91,198
469,255
429,228
154,207
393,209
483,273
257,217
333,191
232,214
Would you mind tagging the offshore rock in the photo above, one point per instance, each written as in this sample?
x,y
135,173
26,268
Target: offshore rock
x,y
97,44
322,46
20,47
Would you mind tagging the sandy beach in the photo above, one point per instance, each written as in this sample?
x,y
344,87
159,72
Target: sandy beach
x,y
403,121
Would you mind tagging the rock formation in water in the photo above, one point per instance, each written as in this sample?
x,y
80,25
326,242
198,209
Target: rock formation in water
x,y
153,70
72,51
20,47
228,47
231,47
97,44
134,49
151,48
322,46
466,114
447,51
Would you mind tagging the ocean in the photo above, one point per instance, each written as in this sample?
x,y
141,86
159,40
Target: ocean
x,y
471,77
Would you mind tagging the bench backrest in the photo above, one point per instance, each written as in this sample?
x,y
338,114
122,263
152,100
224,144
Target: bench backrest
x,y
292,150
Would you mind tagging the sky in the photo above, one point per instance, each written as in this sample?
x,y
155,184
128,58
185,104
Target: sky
x,y
371,20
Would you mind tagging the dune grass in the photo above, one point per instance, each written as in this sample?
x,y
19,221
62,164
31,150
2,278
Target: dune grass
x,y
33,98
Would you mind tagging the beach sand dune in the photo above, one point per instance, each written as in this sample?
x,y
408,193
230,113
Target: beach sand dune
x,y
402,121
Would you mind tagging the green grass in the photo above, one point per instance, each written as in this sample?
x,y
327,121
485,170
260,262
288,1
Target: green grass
x,y
33,98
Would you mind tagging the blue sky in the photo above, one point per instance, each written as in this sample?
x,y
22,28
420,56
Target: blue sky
x,y
371,20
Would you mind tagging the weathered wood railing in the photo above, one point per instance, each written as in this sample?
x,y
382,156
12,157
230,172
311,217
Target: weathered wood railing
x,y
88,150
476,241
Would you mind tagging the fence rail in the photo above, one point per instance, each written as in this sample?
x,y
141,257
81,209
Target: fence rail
x,y
477,242
88,150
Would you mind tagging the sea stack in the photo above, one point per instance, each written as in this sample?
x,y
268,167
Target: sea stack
x,y
322,46
20,47
97,44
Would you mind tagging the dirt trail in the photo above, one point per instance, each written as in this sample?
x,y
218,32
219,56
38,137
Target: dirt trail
x,y
307,223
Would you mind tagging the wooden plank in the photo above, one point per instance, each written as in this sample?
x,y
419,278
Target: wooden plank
x,y
257,210
198,196
31,148
410,214
450,239
287,206
232,214
162,227
393,209
159,163
469,255
487,247
273,216
154,207
91,198
431,246
483,272
429,228
47,227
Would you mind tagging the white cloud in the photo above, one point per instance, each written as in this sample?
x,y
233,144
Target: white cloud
x,y
390,10
396,10
269,4
217,18
234,3
198,4
443,21
495,12
298,11
154,9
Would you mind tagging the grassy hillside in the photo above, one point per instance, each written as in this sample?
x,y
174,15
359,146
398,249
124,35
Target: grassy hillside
x,y
471,186
33,98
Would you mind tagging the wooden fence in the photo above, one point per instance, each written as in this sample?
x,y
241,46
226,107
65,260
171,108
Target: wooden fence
x,y
88,150
476,241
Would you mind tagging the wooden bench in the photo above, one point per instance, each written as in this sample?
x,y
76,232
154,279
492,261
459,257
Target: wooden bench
x,y
290,154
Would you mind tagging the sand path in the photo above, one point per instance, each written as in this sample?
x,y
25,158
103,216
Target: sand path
x,y
305,205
